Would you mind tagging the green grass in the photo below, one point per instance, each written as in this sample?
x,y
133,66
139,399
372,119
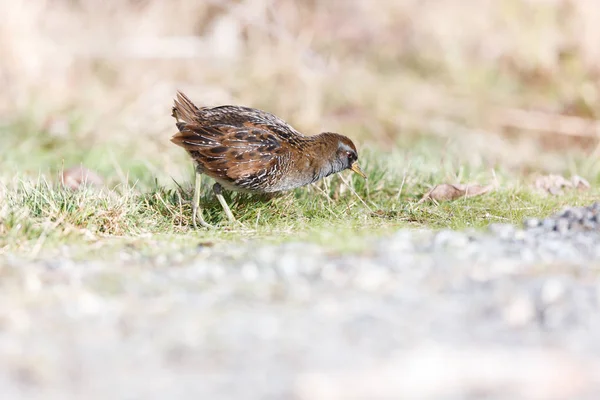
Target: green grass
x,y
144,208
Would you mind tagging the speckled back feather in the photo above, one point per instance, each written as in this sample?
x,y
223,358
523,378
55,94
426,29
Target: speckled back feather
x,y
237,146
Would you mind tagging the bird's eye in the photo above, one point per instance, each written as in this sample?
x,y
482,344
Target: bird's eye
x,y
350,155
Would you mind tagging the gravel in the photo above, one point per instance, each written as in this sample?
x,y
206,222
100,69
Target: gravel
x,y
571,219
511,312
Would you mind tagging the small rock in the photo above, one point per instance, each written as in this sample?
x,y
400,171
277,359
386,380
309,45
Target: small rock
x,y
589,215
525,236
589,224
503,231
562,225
576,226
552,291
577,213
402,242
250,272
520,311
531,223
532,233
449,238
549,224
371,278
566,213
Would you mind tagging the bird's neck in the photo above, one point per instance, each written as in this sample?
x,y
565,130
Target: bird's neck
x,y
321,157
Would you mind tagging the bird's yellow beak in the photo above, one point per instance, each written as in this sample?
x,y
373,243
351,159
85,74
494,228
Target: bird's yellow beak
x,y
356,168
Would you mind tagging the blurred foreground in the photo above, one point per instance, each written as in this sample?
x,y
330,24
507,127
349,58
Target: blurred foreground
x,y
421,315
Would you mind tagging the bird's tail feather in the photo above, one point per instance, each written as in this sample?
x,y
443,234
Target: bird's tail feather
x,y
184,110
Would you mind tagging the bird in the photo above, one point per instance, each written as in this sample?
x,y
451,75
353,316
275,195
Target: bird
x,y
253,151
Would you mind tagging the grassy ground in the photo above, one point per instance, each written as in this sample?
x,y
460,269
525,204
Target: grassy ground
x,y
144,201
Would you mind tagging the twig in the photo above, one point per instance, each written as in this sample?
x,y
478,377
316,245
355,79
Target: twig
x,y
402,184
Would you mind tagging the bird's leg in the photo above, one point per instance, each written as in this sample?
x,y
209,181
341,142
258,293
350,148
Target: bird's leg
x,y
218,189
196,210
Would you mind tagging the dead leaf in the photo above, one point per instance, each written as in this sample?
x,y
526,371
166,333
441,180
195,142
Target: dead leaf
x,y
447,192
75,177
580,183
556,184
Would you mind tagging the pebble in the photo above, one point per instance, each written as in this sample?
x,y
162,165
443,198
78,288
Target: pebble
x,y
552,291
520,311
589,224
549,224
570,219
448,238
531,223
562,225
503,231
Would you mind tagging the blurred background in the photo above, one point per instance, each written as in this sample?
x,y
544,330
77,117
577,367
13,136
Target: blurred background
x,y
509,77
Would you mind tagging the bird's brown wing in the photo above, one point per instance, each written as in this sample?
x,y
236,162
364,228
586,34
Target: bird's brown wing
x,y
242,156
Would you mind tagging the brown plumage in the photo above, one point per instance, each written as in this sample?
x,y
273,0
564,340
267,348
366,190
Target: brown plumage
x,y
248,150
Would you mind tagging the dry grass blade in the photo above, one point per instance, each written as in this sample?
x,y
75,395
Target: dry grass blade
x,y
356,194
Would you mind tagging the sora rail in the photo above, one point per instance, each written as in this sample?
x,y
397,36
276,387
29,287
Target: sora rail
x,y
248,150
